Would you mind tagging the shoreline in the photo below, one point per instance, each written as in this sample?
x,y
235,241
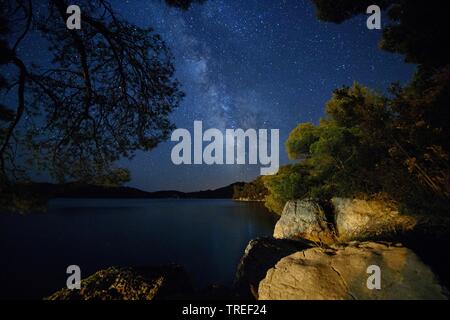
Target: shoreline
x,y
246,200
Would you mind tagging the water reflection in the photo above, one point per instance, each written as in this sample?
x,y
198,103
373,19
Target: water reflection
x,y
207,237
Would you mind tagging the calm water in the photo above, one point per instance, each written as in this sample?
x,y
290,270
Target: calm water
x,y
206,237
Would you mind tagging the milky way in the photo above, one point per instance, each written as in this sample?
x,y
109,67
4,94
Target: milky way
x,y
253,64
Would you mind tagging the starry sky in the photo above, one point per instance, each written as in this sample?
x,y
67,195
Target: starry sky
x,y
252,64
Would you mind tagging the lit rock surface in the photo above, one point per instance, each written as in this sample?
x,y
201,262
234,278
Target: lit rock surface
x,y
303,219
340,273
369,219
130,284
260,255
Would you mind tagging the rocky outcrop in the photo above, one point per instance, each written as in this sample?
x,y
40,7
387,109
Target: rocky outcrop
x,y
340,272
260,255
168,282
369,219
336,266
304,219
348,220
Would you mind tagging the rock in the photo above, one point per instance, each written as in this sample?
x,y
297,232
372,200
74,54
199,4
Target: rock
x,y
369,220
303,219
340,273
166,282
260,255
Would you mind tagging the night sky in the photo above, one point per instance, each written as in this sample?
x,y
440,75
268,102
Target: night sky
x,y
253,64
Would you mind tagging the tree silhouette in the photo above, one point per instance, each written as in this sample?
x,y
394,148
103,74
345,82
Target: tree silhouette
x,y
368,144
107,92
415,28
183,4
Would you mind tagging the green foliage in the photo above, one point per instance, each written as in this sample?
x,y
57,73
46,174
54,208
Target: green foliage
x,y
300,139
291,182
335,158
252,191
369,145
422,127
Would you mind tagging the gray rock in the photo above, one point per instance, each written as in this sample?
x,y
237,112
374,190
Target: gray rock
x,y
303,219
340,273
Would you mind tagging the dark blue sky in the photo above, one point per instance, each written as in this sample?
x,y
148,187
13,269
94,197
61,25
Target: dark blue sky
x,y
254,64
249,64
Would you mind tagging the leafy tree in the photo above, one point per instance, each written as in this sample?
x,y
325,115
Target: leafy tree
x,y
360,149
253,191
289,183
417,136
421,130
107,92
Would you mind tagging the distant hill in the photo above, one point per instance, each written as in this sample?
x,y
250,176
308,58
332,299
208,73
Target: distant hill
x,y
76,190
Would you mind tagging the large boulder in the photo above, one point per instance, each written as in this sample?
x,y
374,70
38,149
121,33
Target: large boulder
x,y
341,273
357,219
260,255
167,282
303,219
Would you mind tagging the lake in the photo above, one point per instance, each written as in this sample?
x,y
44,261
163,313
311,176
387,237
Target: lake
x,y
206,237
